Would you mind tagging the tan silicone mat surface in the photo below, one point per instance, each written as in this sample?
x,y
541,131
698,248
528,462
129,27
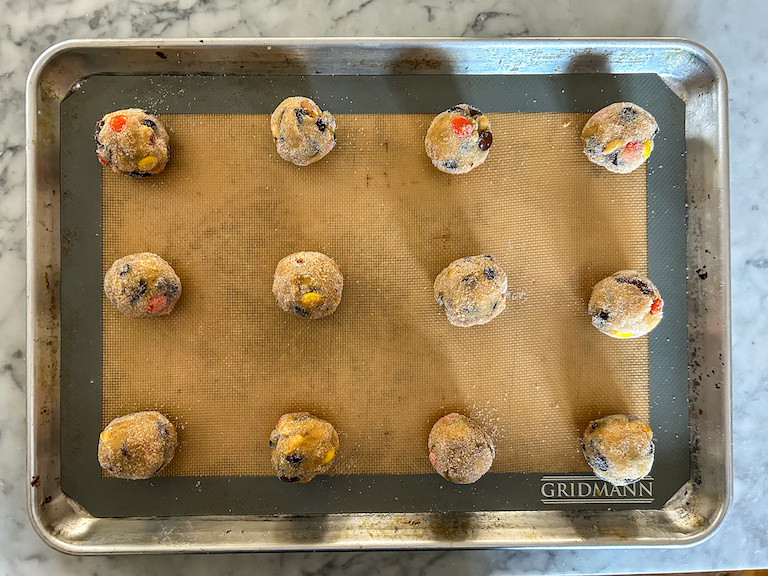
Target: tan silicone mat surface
x,y
227,362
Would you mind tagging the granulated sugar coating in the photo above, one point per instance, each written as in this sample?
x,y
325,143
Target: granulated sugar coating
x,y
620,137
460,450
472,290
132,142
137,446
459,139
619,448
308,285
303,133
625,305
303,446
142,285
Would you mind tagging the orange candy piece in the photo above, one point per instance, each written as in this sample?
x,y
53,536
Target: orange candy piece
x,y
461,127
102,159
657,305
117,122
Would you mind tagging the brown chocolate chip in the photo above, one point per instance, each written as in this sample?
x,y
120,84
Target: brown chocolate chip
x,y
290,479
294,459
474,111
99,126
299,311
489,273
627,114
603,315
600,463
641,284
470,281
168,287
485,140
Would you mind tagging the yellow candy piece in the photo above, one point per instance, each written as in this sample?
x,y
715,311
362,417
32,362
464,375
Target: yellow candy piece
x,y
622,334
647,148
146,132
311,299
613,145
291,444
147,162
329,456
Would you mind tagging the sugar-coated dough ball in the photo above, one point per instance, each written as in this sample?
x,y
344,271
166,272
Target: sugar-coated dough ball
x,y
302,446
619,448
137,446
132,142
142,285
460,450
620,137
458,139
308,284
625,305
303,133
472,290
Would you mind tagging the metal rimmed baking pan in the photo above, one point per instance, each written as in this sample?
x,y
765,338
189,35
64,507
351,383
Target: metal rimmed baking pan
x,y
689,71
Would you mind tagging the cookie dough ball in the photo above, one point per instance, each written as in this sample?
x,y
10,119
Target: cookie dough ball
x,y
458,139
142,285
473,290
619,448
303,133
308,284
137,446
625,305
132,142
303,446
619,137
460,450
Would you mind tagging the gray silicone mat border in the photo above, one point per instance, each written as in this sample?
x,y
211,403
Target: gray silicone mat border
x,y
81,289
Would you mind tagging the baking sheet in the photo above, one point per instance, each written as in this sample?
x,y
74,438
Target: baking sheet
x,y
477,496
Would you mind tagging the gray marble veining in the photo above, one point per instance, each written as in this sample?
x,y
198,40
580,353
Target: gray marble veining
x,y
735,31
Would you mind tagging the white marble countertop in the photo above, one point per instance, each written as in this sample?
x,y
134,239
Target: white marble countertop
x,y
735,31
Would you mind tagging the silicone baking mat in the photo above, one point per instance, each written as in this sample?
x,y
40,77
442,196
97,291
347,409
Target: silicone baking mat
x,y
227,362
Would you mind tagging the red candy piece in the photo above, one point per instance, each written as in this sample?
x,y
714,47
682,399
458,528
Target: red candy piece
x,y
657,305
117,122
102,159
433,458
632,150
461,127
156,304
